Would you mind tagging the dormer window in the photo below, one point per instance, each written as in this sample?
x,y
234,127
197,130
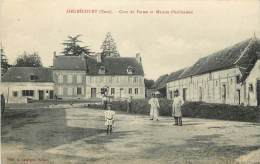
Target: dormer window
x,y
130,70
102,70
33,77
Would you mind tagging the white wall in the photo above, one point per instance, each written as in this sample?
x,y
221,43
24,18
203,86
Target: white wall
x,y
116,82
7,88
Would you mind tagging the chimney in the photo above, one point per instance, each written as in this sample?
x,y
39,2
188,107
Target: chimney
x,y
138,58
99,58
54,57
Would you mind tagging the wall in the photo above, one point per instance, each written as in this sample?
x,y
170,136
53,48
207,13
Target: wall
x,y
215,87
116,82
251,81
67,82
8,89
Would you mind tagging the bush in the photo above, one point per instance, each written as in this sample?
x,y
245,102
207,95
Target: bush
x,y
221,111
192,109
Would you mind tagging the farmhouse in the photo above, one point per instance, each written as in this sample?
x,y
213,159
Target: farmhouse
x,y
84,77
229,76
22,83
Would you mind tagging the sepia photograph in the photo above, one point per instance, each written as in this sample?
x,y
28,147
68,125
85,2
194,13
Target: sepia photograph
x,y
130,81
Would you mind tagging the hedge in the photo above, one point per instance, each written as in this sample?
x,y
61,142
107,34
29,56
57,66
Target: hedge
x,y
192,109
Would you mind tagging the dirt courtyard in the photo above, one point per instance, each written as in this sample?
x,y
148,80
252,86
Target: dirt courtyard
x,y
77,135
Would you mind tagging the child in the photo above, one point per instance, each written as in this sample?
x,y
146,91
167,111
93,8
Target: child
x,y
109,118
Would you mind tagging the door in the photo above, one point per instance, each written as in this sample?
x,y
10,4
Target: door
x,y
238,96
224,93
41,94
258,92
200,94
93,92
51,94
184,94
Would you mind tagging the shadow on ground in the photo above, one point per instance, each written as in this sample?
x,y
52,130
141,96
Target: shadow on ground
x,y
41,128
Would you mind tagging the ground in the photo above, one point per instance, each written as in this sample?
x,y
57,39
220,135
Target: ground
x,y
77,135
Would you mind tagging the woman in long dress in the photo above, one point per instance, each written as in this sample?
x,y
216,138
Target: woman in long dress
x,y
176,108
154,112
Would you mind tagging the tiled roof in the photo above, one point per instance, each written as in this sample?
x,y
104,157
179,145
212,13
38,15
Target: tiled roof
x,y
223,59
69,63
242,55
161,81
175,75
23,74
114,65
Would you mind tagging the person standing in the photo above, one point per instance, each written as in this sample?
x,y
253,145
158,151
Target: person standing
x,y
176,108
129,104
104,101
109,119
2,103
154,109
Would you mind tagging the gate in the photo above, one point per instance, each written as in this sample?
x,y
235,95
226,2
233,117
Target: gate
x,y
258,92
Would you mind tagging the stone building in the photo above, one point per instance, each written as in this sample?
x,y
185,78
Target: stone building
x,y
22,83
229,76
84,77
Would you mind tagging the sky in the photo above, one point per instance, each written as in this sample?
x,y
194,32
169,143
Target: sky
x,y
167,42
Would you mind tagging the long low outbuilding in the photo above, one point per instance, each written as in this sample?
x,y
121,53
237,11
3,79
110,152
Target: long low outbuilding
x,y
230,76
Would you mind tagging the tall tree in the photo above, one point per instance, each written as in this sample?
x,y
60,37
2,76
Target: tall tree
x,y
29,60
149,84
4,61
109,46
72,47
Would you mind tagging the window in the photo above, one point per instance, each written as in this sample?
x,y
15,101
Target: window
x,y
101,79
135,79
79,91
33,77
237,79
65,78
136,90
130,90
102,70
129,79
60,79
216,83
69,79
60,91
15,93
79,79
70,91
110,79
27,92
130,70
112,91
250,88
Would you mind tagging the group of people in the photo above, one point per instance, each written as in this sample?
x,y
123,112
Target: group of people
x,y
154,110
176,108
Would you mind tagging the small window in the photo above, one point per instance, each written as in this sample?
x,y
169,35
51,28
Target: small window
x,y
79,91
102,70
15,93
216,83
237,79
135,79
69,79
112,91
250,88
130,90
27,92
33,77
136,90
130,70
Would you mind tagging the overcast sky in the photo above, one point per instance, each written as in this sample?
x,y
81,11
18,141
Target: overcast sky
x,y
166,42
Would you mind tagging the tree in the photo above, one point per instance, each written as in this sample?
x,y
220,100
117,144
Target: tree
x,y
109,47
72,47
4,62
29,60
148,83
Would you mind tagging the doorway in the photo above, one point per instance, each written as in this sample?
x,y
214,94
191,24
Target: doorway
x,y
41,94
184,94
224,93
258,92
51,94
93,92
